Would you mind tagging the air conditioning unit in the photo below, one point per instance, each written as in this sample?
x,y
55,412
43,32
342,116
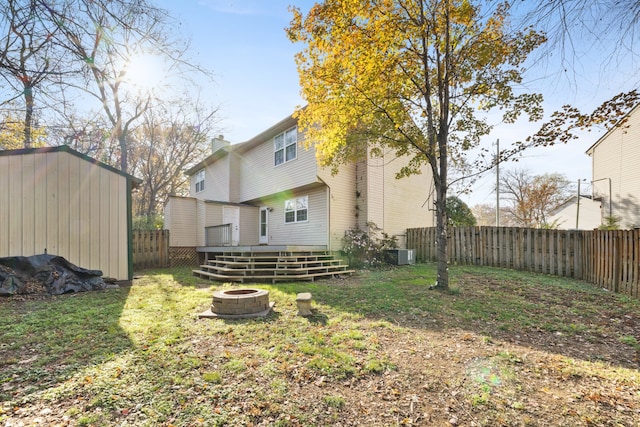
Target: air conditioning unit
x,y
400,256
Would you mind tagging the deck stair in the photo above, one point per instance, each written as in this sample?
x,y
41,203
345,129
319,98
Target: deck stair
x,y
272,266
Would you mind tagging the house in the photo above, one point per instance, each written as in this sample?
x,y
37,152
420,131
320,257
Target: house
x,y
571,215
59,201
615,172
271,192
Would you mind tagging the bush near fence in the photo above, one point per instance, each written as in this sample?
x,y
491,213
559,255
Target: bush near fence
x,y
607,258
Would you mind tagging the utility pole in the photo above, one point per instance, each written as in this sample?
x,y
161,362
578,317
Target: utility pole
x,y
578,206
498,182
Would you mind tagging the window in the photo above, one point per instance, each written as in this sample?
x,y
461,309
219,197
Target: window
x,y
295,210
200,181
285,146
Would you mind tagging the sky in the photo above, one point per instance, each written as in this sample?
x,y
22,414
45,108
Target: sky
x,y
244,44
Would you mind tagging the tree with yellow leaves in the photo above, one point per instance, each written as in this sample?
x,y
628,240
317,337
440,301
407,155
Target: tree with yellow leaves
x,y
12,133
415,76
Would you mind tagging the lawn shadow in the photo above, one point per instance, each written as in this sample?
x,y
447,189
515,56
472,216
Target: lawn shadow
x,y
548,313
47,339
317,317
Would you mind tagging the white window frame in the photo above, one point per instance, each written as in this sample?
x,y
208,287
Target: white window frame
x,y
285,144
296,207
200,181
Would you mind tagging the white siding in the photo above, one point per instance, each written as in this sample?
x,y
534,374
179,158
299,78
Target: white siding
x,y
310,232
259,177
408,202
342,201
616,158
393,205
180,219
588,217
216,181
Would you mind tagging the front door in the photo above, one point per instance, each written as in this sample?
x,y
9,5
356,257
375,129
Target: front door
x,y
264,225
231,215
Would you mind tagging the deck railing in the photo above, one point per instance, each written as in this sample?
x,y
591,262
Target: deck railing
x,y
218,235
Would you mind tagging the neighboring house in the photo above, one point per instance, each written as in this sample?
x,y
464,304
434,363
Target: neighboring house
x,y
616,171
59,201
571,215
273,192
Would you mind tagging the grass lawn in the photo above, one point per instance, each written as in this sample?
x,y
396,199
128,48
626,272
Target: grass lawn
x,y
502,349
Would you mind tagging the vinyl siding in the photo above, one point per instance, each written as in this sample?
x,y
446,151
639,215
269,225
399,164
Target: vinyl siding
x,y
342,200
616,157
67,205
216,181
590,215
393,205
201,219
310,232
259,177
234,178
180,218
407,201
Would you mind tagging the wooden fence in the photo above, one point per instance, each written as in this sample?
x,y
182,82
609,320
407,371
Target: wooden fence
x,y
150,249
610,259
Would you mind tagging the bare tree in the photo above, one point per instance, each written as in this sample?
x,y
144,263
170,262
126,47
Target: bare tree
x,y
610,26
29,56
532,197
171,138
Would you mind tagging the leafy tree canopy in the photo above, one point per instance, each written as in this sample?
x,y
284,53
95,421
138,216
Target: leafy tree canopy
x,y
410,76
459,213
12,133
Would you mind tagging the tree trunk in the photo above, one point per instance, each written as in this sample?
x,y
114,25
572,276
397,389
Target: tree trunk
x,y
28,115
122,142
442,239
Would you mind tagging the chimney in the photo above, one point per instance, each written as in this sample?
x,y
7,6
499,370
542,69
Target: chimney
x,y
218,142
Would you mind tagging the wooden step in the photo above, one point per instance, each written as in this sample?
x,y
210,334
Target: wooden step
x,y
276,266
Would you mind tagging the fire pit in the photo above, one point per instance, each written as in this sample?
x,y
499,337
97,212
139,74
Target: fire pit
x,y
239,303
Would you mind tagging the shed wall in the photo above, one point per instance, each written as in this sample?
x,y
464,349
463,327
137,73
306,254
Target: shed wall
x,y
61,203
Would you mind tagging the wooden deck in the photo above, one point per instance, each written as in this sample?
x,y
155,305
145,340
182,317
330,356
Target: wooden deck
x,y
241,266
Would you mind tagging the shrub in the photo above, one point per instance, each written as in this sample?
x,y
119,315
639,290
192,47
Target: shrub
x,y
148,222
365,248
610,223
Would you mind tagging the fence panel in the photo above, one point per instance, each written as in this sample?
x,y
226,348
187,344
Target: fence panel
x,y
610,259
150,249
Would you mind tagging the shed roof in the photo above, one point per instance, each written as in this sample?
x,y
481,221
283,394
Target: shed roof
x,y
66,149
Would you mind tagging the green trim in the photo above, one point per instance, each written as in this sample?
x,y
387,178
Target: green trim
x,y
129,229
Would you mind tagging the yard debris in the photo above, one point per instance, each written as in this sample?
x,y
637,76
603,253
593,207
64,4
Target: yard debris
x,y
46,273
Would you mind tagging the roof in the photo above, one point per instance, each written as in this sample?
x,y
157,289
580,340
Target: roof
x,y
570,201
274,130
66,149
613,128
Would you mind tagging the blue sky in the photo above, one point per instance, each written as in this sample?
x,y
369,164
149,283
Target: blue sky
x,y
256,83
244,43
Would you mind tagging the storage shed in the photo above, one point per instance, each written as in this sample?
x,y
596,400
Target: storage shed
x,y
62,202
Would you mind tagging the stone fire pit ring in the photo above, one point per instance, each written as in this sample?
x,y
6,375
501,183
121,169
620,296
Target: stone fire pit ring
x,y
239,303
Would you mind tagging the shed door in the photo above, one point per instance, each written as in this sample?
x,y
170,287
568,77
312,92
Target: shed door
x,y
231,215
264,225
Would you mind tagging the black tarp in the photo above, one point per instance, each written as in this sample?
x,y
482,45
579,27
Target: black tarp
x,y
21,275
